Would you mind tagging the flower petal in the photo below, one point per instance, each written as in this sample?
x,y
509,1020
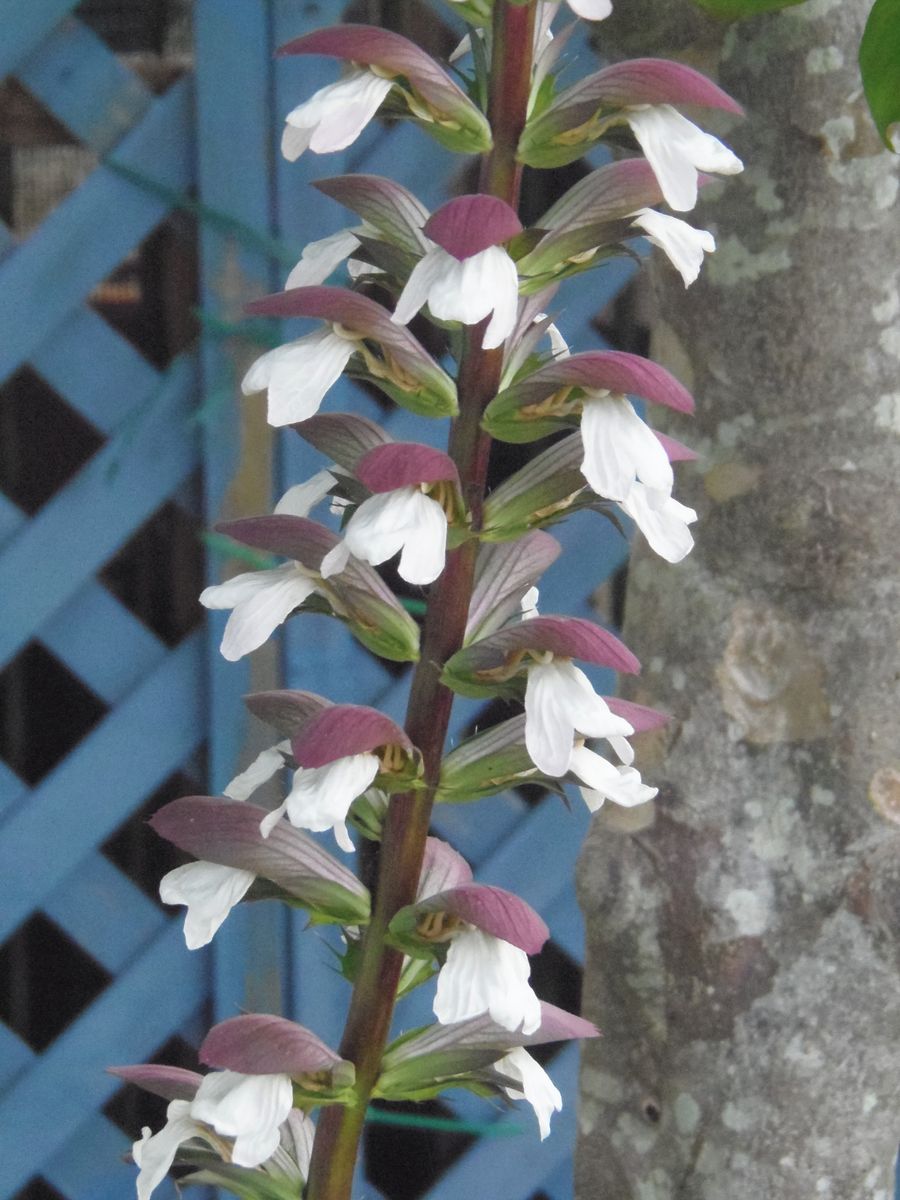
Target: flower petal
x,y
266,764
302,498
321,796
424,274
484,974
676,150
298,375
619,447
662,520
591,10
683,245
321,257
604,781
155,1154
537,1087
404,520
336,115
249,1108
210,893
560,701
261,600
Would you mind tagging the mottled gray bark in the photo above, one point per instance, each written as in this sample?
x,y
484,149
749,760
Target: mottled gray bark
x,y
743,935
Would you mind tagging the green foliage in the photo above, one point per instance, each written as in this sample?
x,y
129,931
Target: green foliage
x,y
879,63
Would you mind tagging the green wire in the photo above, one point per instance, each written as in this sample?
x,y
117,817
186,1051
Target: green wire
x,y
380,1116
213,217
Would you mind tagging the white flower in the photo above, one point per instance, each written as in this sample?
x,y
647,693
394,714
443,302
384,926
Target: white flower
x,y
302,498
662,520
606,781
536,1086
320,797
677,150
591,10
619,447
466,291
248,1108
321,257
560,701
336,115
404,520
483,974
266,764
683,245
298,375
155,1153
261,601
210,892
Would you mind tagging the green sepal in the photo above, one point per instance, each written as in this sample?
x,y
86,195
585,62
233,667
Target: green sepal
x,y
340,1090
341,908
460,141
390,632
488,763
403,935
416,972
424,403
510,418
542,493
247,1183
367,814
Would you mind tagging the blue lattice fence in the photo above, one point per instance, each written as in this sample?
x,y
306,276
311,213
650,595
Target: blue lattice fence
x,y
163,703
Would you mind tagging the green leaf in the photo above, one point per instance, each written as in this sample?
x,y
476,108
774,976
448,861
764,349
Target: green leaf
x,y
879,54
731,10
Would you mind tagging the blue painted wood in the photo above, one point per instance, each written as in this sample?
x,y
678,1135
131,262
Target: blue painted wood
x,y
103,911
164,986
101,642
11,788
85,523
78,244
105,778
77,77
25,26
97,371
90,1164
15,1056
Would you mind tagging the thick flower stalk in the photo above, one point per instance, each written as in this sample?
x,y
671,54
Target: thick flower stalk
x,y
485,284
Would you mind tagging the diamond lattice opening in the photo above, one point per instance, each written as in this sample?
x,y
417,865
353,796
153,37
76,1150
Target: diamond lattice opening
x,y
44,442
43,162
38,1189
158,573
425,1153
131,1108
151,296
140,853
46,980
45,711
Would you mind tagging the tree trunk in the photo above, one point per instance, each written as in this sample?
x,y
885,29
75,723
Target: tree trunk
x,y
743,935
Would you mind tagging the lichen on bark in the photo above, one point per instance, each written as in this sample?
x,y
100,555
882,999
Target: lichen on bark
x,y
743,934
